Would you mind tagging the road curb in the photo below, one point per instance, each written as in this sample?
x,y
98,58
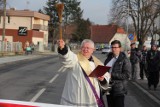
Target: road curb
x,y
154,98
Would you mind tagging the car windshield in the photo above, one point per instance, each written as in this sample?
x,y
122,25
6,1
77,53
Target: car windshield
x,y
106,48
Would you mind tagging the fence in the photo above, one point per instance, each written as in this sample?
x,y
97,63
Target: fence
x,y
75,46
10,47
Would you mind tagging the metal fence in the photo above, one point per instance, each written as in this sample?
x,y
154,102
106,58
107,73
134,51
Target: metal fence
x,y
10,46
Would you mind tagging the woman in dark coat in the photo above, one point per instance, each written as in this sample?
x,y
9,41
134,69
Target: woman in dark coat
x,y
153,60
119,73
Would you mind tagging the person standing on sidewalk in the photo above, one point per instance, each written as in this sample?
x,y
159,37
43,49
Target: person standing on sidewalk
x,y
135,61
143,63
153,60
119,73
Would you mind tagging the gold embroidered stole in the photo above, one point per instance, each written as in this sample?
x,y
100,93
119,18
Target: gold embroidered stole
x,y
84,62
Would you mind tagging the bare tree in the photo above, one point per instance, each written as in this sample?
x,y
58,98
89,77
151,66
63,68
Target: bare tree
x,y
1,4
141,13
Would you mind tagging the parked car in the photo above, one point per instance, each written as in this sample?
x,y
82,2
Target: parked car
x,y
98,48
106,50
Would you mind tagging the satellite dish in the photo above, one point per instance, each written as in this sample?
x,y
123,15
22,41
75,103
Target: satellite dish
x,y
156,37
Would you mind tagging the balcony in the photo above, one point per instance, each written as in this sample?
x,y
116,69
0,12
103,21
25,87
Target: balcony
x,y
40,27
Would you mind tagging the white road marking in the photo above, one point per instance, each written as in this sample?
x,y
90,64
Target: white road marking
x,y
60,69
64,69
42,90
37,95
53,78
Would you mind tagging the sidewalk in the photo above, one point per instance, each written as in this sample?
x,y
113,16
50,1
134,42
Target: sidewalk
x,y
10,59
143,86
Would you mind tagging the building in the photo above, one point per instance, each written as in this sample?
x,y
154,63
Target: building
x,y
25,25
105,34
69,30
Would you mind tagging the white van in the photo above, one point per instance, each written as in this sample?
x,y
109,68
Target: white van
x,y
106,50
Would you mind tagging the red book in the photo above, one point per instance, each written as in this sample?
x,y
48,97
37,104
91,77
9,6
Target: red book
x,y
99,71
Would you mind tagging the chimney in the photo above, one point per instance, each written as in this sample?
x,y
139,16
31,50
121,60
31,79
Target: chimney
x,y
120,30
26,9
12,8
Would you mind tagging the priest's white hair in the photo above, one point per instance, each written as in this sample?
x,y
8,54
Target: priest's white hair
x,y
87,41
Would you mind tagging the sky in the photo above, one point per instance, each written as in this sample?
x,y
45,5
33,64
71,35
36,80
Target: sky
x,y
96,10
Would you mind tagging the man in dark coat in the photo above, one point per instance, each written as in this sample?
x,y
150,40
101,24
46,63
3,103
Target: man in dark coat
x,y
153,60
143,63
119,73
135,58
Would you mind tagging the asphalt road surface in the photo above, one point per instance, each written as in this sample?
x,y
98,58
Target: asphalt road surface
x,y
42,80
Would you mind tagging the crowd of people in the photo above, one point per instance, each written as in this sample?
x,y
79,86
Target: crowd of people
x,y
145,64
81,90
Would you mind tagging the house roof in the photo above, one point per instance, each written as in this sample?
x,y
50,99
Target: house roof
x,y
25,13
104,33
69,30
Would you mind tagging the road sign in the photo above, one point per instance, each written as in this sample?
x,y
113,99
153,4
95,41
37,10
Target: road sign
x,y
131,36
156,37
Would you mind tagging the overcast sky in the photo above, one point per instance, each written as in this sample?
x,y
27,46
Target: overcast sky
x,y
96,10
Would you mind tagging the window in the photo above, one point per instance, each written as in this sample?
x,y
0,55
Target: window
x,y
8,19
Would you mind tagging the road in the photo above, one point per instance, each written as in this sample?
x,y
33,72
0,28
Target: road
x,y
42,80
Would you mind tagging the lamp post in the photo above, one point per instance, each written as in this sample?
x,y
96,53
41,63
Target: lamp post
x,y
138,22
4,19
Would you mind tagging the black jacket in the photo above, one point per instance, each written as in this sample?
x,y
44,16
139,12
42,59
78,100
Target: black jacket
x,y
135,56
120,74
144,57
153,60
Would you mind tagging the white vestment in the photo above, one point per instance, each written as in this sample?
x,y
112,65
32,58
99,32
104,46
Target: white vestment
x,y
77,91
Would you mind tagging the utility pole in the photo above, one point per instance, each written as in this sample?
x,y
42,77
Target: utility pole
x,y
4,19
27,4
128,10
138,22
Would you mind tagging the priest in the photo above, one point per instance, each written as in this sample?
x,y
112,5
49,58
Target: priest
x,y
80,90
